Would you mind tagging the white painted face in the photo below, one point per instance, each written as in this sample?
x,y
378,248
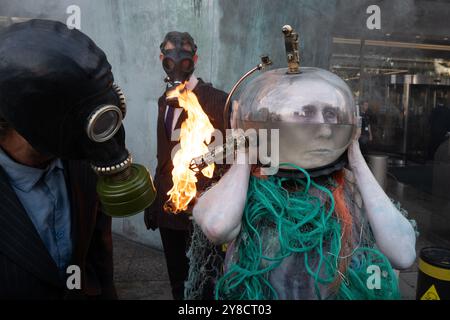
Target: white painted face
x,y
314,112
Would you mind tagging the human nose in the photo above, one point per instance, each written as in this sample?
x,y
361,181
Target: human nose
x,y
324,131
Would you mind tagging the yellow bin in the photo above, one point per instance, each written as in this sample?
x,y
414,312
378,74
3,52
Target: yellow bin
x,y
433,281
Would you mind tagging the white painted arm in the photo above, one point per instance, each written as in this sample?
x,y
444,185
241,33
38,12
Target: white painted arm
x,y
394,234
219,210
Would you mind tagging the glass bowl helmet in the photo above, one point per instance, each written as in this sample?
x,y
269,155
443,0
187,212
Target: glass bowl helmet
x,y
314,111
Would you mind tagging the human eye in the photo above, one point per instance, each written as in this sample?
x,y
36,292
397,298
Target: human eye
x,y
330,115
308,112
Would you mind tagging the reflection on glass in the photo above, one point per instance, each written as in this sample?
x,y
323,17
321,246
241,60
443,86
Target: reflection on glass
x,y
314,112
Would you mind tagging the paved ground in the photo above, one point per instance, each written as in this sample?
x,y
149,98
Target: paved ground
x,y
408,278
430,214
140,271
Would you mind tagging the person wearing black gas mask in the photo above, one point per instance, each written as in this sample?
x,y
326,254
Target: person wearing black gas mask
x,y
178,57
60,124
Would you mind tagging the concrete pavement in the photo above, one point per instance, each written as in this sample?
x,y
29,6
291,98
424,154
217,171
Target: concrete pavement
x,y
140,272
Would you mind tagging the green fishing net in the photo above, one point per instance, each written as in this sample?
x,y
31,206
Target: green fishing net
x,y
289,248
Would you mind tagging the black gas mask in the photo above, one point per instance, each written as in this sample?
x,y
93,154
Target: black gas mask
x,y
178,62
57,91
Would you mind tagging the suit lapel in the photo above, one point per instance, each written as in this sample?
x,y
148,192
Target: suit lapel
x,y
181,119
81,184
19,239
73,209
161,121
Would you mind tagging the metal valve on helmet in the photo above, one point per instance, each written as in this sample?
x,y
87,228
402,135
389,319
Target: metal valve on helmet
x,y
291,41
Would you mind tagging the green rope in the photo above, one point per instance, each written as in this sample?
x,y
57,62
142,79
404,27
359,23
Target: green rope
x,y
304,224
356,287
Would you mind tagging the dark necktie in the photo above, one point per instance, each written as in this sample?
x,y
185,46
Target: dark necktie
x,y
169,120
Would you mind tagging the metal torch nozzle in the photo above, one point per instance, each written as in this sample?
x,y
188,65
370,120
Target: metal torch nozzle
x,y
219,153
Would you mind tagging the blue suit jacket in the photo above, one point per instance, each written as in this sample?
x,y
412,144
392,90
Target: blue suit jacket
x,y
27,270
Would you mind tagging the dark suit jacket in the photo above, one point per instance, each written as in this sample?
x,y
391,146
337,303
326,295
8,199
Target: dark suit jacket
x,y
27,270
213,102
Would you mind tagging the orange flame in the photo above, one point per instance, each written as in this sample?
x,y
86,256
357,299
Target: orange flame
x,y
196,133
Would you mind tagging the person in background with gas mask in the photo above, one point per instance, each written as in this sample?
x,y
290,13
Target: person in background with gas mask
x,y
178,57
60,118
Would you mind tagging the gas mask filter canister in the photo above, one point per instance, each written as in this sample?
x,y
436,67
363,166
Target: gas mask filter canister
x,y
125,188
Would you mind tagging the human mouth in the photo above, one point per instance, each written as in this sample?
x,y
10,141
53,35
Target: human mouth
x,y
320,152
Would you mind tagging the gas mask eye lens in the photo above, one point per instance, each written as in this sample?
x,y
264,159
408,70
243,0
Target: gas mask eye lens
x,y
168,64
104,123
187,65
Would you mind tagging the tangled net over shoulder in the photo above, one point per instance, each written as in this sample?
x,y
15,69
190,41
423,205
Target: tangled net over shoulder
x,y
205,266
